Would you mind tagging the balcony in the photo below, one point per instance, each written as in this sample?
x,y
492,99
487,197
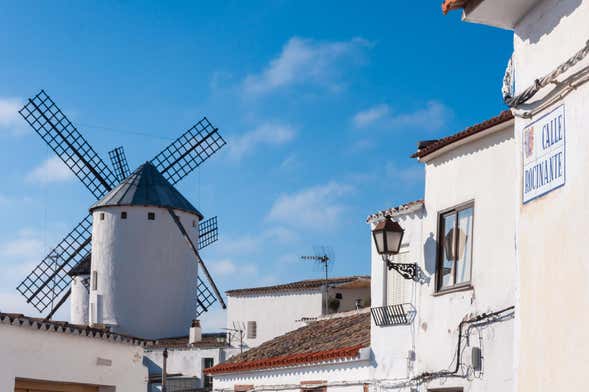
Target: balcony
x,y
399,314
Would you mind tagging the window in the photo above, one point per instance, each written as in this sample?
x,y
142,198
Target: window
x,y
151,216
124,215
193,223
102,216
455,247
207,381
339,296
94,283
399,288
252,330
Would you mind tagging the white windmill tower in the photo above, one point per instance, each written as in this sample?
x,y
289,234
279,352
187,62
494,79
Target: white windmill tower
x,y
133,261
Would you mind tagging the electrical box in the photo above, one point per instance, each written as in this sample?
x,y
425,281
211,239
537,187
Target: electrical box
x,y
477,359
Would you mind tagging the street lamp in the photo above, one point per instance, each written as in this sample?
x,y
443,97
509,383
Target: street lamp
x,y
388,236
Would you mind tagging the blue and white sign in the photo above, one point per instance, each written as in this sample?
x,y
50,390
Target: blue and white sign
x,y
544,164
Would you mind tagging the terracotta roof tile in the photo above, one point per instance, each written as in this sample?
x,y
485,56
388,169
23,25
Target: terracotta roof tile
x,y
449,5
328,339
309,284
472,130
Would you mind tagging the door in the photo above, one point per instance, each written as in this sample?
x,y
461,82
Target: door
x,y
50,386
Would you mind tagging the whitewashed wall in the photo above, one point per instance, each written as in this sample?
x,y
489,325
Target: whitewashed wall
x,y
275,314
553,293
52,356
483,171
146,272
79,300
345,372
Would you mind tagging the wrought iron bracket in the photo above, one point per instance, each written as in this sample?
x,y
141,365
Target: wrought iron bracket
x,y
409,271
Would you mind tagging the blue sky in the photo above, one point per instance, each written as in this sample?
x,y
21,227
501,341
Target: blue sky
x,y
321,103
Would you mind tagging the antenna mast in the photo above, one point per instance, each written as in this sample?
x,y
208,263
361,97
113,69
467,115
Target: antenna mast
x,y
323,259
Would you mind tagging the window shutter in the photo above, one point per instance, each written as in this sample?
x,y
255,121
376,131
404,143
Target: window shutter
x,y
397,286
252,330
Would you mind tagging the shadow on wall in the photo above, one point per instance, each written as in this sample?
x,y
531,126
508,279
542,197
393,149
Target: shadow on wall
x,y
429,253
152,367
560,10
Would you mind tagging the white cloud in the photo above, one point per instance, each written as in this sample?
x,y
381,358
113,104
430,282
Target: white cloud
x,y
249,244
52,170
433,116
408,175
22,247
369,116
226,267
318,207
306,61
269,134
10,121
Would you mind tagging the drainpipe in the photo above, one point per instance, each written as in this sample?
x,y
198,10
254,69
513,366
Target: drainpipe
x,y
164,371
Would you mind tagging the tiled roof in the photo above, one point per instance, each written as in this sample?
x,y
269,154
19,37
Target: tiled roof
x,y
324,340
19,320
309,284
209,340
472,130
146,187
449,5
396,211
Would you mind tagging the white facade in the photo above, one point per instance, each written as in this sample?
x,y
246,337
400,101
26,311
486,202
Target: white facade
x,y
143,273
80,300
479,169
30,353
340,376
279,312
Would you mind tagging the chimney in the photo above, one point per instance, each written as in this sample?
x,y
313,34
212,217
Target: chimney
x,y
195,335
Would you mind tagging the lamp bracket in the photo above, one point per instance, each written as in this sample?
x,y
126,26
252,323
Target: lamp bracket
x,y
409,271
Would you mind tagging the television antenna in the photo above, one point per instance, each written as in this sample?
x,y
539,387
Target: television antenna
x,y
236,330
323,255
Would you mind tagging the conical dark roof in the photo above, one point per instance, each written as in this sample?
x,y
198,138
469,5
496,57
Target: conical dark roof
x,y
146,187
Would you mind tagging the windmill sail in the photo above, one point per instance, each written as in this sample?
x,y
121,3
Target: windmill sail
x,y
61,135
119,163
49,279
189,151
204,298
208,232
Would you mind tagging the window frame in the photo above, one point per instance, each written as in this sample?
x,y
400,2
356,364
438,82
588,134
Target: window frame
x,y
151,215
439,289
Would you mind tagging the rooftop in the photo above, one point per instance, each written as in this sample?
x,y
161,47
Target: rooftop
x,y
324,340
146,187
449,5
209,340
19,320
310,284
402,209
431,147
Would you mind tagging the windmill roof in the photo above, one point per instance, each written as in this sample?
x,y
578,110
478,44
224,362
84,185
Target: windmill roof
x,y
309,284
146,187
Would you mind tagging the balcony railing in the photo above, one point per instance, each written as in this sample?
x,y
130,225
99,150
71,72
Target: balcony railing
x,y
399,314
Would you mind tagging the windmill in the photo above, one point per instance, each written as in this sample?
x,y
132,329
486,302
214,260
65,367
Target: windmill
x,y
323,255
48,286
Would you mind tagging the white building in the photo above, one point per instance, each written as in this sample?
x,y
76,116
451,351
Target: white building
x,y
263,313
420,325
332,352
49,356
547,90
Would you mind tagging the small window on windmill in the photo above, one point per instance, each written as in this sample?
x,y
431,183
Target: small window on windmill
x,y
124,215
94,282
193,223
151,216
339,296
252,329
102,216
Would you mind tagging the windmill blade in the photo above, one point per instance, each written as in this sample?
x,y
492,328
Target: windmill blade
x,y
49,279
61,135
208,232
204,298
201,263
189,151
119,163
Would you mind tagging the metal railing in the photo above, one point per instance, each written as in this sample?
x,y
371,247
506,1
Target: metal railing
x,y
399,314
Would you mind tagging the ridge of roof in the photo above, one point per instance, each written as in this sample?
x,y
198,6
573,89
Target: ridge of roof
x,y
399,210
502,117
320,341
308,284
209,340
20,320
146,186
